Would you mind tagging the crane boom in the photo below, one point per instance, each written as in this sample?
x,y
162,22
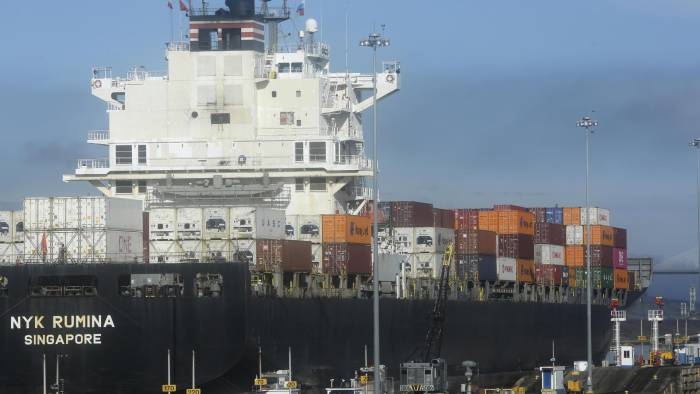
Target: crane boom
x,y
433,340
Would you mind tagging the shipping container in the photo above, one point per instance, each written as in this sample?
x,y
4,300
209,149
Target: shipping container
x,y
554,215
619,257
601,256
572,276
426,265
487,268
526,271
11,226
72,213
597,216
516,246
600,235
189,223
346,229
273,255
574,256
475,242
309,228
163,224
466,219
516,222
506,269
408,240
539,213
411,214
444,218
468,267
257,222
619,238
89,245
550,233
191,250
488,221
509,207
163,252
222,250
602,277
551,275
217,223
11,253
344,258
621,280
574,234
549,254
572,216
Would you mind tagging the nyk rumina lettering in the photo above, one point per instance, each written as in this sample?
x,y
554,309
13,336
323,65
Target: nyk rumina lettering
x,y
62,322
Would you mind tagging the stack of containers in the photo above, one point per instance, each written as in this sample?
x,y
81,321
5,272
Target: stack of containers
x,y
601,247
346,245
253,225
475,249
622,277
514,227
82,229
418,230
11,236
549,240
307,228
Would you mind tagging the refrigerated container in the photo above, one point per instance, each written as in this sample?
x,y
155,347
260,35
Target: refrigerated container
x,y
549,254
574,234
189,223
257,222
11,253
71,213
90,245
346,229
217,223
162,224
164,252
596,216
426,265
11,226
309,228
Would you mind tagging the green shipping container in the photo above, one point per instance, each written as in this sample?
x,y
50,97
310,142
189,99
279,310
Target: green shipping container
x,y
602,277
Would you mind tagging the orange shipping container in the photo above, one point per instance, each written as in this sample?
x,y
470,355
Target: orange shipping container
x,y
572,216
621,279
526,270
600,235
346,229
516,222
488,221
574,256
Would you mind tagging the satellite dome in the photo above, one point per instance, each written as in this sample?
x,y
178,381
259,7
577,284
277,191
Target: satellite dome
x,y
311,25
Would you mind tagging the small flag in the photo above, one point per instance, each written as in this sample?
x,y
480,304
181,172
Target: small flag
x,y
300,8
183,7
170,4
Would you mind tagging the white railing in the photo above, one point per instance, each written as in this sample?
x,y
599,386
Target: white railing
x,y
655,314
101,72
618,315
98,135
139,74
93,163
112,106
318,49
254,162
179,46
359,160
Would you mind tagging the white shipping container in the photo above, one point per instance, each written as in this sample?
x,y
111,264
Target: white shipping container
x,y
506,269
291,229
574,234
426,265
596,215
432,239
189,223
11,226
163,252
402,241
162,224
217,223
549,254
257,222
217,251
244,250
309,228
316,258
11,253
83,246
191,250
71,213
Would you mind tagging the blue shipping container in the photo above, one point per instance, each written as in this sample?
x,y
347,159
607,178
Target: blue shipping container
x,y
487,268
554,215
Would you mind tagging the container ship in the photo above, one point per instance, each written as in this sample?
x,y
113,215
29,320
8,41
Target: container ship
x,y
235,223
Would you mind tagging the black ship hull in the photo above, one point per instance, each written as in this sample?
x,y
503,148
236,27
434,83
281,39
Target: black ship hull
x,y
327,335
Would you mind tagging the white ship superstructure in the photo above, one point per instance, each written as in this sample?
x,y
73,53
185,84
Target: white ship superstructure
x,y
237,121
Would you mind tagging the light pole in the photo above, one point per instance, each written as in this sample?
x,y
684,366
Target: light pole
x,y
588,124
695,143
374,41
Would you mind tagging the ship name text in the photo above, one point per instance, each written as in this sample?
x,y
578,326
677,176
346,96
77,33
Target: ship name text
x,y
62,322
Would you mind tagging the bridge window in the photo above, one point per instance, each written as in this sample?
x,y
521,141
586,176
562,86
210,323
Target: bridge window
x,y
283,67
208,285
274,93
299,184
123,187
299,152
151,285
317,184
123,154
142,187
297,67
317,151
63,286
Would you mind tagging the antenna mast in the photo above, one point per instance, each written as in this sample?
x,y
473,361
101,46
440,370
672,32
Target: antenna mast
x,y
273,17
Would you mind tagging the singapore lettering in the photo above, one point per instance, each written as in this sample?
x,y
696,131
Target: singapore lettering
x,y
62,322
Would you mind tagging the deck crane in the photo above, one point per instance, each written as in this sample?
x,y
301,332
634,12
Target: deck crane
x,y
429,375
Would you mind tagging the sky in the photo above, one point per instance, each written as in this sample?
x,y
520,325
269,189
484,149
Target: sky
x,y
490,94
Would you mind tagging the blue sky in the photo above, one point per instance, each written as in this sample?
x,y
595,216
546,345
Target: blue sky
x,y
490,95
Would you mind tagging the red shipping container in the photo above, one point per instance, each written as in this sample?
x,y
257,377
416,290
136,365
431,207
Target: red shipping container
x,y
548,274
550,233
443,218
274,255
619,238
619,258
346,259
466,219
601,256
411,214
519,246
475,242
